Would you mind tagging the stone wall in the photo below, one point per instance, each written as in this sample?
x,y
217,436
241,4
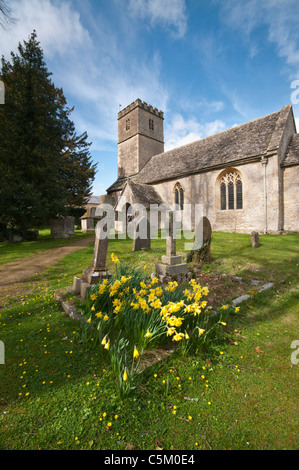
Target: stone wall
x,y
128,157
204,188
137,140
291,198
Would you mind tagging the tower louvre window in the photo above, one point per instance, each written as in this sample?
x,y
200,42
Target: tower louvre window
x,y
151,124
128,124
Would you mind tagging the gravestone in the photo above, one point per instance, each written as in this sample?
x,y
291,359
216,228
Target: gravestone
x,y
255,240
87,224
171,267
97,271
62,227
202,241
142,235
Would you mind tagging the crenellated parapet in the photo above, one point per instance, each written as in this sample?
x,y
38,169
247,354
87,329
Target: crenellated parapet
x,y
141,104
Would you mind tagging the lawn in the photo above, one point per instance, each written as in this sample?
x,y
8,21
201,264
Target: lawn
x,y
239,393
12,251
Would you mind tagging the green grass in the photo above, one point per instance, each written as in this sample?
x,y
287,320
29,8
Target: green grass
x,y
249,401
13,251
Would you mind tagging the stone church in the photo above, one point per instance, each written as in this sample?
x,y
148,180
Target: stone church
x,y
246,178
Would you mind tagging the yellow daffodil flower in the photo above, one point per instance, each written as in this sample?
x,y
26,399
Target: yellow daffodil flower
x,y
114,258
156,303
170,331
200,331
178,337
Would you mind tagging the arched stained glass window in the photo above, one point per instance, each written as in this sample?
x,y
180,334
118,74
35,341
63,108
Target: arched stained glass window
x,y
179,196
223,196
176,196
231,191
231,196
239,191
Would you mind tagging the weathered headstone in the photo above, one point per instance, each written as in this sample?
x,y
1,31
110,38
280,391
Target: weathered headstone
x,y
142,235
97,270
171,266
202,241
62,227
203,233
87,224
255,240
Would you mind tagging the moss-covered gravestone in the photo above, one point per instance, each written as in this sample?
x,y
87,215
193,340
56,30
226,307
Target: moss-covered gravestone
x,y
201,250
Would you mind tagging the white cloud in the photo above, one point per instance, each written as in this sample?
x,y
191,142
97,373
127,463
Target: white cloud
x,y
97,77
168,13
57,24
280,17
180,132
112,85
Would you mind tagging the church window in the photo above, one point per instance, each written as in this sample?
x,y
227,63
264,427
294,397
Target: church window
x,y
231,191
239,192
128,124
179,196
231,196
223,196
151,124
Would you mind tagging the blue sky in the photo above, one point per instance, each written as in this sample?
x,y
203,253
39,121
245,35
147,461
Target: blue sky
x,y
208,65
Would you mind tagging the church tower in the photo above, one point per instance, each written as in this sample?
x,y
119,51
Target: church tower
x,y
140,136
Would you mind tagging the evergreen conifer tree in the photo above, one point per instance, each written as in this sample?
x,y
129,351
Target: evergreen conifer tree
x,y
45,168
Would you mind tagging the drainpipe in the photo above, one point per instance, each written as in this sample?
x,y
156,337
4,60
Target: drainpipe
x,y
264,162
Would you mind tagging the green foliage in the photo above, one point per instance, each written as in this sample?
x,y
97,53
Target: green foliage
x,y
227,396
44,165
130,313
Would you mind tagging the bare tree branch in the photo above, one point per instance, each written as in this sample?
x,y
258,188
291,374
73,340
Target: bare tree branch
x,y
6,17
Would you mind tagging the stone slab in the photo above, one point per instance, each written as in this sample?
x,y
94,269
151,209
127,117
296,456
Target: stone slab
x,y
171,270
92,276
266,287
240,299
83,289
77,285
171,260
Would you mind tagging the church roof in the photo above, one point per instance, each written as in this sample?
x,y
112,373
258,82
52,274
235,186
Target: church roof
x,y
292,156
95,199
235,145
144,194
117,185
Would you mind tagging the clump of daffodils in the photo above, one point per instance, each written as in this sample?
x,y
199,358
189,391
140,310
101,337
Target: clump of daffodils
x,y
130,312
